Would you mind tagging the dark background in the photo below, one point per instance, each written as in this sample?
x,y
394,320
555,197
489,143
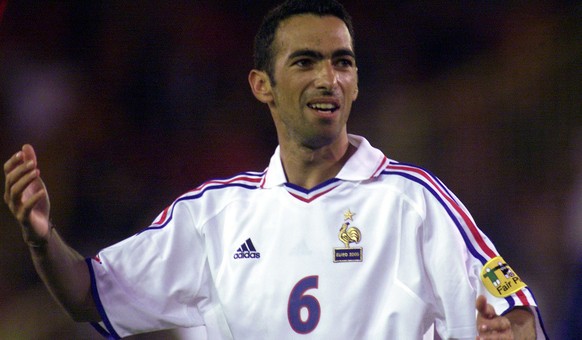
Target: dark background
x,y
131,103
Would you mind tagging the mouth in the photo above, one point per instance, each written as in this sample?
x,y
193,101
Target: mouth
x,y
324,107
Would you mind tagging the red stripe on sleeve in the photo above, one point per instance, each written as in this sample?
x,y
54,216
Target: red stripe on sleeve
x,y
162,218
521,295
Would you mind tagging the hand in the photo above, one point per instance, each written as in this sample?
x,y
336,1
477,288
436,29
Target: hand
x,y
489,324
27,197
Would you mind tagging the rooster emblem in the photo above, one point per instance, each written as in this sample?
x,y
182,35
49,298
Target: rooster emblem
x,y
349,234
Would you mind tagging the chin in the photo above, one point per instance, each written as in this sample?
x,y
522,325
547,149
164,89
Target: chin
x,y
320,140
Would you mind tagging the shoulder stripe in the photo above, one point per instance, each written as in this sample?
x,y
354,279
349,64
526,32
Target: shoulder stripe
x,y
163,216
252,177
473,238
472,249
247,180
380,167
430,182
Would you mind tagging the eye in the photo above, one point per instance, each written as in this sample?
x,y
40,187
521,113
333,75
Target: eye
x,y
345,63
305,62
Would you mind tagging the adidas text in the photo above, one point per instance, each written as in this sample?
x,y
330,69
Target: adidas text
x,y
247,255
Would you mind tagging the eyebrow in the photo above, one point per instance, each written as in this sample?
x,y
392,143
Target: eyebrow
x,y
318,55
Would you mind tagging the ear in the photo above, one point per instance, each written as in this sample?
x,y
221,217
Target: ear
x,y
261,86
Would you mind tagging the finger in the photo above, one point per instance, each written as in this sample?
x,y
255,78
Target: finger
x,y
12,162
13,169
19,180
24,156
16,172
9,166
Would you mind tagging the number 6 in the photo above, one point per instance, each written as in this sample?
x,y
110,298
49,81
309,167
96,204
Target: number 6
x,y
299,300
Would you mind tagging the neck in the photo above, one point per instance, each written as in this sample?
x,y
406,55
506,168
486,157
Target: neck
x,y
308,167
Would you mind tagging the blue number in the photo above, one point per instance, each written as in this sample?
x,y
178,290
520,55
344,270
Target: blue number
x,y
299,300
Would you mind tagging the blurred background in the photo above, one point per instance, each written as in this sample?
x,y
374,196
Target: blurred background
x,y
131,103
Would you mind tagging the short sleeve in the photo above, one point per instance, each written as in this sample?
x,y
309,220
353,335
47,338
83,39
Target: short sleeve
x,y
455,252
156,279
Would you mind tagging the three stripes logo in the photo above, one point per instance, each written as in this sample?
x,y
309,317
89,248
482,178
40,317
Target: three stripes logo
x,y
247,251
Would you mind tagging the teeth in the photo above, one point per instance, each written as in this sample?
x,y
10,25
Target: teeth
x,y
322,106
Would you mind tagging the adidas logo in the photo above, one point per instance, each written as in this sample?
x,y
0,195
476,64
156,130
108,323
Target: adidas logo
x,y
247,251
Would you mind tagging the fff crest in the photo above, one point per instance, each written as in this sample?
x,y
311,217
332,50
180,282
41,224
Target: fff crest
x,y
348,234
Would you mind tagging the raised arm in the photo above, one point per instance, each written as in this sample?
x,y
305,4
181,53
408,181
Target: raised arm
x,y
62,269
519,323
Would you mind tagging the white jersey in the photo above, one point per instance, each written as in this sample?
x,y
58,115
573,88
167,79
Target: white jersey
x,y
382,251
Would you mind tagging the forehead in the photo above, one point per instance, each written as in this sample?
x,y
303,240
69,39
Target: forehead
x,y
308,31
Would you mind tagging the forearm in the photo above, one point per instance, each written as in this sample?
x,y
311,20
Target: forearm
x,y
522,323
65,273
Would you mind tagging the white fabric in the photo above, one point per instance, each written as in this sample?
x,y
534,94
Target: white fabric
x,y
420,267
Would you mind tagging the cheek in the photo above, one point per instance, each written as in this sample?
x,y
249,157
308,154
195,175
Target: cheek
x,y
288,96
350,82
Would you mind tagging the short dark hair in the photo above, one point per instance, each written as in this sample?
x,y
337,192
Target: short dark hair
x,y
263,49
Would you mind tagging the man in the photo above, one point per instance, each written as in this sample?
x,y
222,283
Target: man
x,y
332,240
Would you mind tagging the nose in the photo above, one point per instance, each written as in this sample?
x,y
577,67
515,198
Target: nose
x,y
326,76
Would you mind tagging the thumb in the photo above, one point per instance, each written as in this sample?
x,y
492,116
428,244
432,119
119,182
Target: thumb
x,y
28,153
484,309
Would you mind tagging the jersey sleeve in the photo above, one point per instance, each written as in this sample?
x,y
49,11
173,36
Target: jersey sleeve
x,y
463,263
156,279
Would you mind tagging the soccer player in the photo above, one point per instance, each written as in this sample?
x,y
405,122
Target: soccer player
x,y
332,240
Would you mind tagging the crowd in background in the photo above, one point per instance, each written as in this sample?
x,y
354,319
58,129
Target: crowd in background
x,y
129,104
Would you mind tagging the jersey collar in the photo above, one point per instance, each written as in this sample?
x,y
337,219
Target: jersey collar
x,y
367,162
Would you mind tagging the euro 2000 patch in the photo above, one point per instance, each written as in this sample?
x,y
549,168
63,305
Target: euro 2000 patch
x,y
499,279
